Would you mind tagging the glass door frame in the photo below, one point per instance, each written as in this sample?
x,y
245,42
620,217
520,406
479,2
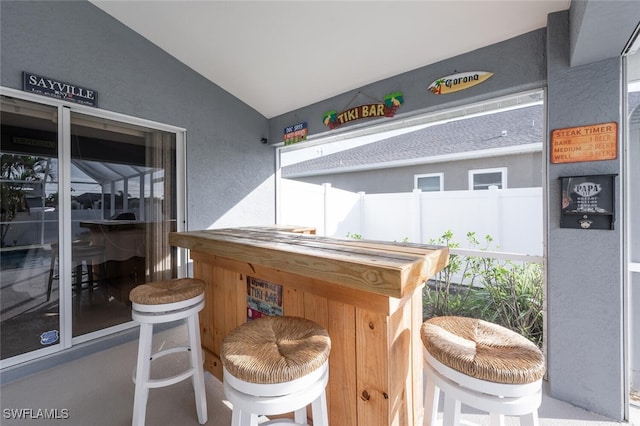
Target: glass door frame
x,y
65,109
630,267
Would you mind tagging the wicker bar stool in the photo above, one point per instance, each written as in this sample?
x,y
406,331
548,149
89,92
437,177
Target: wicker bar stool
x,y
161,302
482,365
276,365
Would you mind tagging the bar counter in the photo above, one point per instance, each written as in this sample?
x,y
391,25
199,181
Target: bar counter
x,y
367,294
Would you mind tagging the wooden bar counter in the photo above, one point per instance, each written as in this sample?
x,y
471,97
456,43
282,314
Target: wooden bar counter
x,y
367,294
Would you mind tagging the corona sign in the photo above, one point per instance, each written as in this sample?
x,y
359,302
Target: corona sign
x,y
455,82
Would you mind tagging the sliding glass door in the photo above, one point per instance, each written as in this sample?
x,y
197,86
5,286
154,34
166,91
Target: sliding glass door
x,y
29,215
123,205
87,205
633,213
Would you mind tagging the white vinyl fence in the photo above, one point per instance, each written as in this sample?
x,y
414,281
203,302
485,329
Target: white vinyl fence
x,y
512,217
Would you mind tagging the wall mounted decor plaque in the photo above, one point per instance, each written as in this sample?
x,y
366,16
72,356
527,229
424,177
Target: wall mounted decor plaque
x,y
585,143
588,202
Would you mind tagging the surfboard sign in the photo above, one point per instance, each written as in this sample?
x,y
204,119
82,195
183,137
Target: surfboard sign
x,y
456,82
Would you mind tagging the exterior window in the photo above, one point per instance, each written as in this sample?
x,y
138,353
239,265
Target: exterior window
x,y
483,179
428,182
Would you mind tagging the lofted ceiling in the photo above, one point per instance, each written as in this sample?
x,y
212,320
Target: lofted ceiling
x,y
277,56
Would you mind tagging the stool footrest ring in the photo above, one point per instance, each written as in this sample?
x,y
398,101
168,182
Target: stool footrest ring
x,y
168,381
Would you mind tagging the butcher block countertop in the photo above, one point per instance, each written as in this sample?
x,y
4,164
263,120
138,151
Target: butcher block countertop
x,y
384,268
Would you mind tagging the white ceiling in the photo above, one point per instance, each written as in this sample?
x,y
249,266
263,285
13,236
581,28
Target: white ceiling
x,y
278,56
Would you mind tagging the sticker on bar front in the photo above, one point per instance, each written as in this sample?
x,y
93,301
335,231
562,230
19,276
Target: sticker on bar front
x,y
49,337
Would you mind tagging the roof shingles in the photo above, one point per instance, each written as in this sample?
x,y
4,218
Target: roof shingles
x,y
523,126
505,129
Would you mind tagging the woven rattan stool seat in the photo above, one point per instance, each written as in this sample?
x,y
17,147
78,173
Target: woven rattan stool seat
x,y
275,349
167,291
483,350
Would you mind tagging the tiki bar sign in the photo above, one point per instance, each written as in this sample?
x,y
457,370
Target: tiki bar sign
x,y
455,82
386,108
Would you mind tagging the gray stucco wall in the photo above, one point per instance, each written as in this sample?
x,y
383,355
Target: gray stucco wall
x,y
74,41
585,305
518,64
599,28
523,171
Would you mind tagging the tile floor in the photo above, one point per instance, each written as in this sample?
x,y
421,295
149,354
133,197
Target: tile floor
x,y
97,390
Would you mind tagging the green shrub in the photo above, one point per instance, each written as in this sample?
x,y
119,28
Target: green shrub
x,y
513,297
501,292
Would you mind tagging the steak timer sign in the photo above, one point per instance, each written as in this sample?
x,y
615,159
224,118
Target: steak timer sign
x,y
595,142
587,202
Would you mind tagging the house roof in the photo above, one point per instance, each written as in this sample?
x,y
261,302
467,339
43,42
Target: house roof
x,y
513,128
483,135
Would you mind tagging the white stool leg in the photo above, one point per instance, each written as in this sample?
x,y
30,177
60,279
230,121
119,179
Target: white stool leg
x,y
431,401
319,410
529,419
451,411
496,419
143,368
196,365
235,417
248,419
241,417
300,416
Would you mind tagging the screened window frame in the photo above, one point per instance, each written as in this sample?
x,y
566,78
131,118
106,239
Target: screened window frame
x,y
440,177
476,172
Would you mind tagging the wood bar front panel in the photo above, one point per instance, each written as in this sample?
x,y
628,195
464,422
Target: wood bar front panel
x,y
372,376
367,294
